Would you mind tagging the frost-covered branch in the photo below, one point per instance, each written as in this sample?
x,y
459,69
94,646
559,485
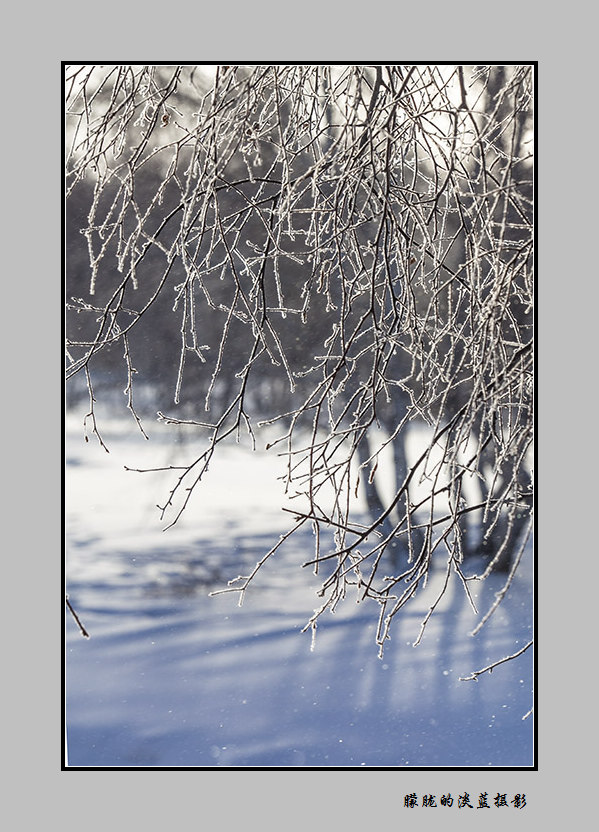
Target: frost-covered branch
x,y
489,668
336,255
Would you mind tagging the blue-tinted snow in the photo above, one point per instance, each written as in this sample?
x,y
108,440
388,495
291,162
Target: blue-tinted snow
x,y
173,677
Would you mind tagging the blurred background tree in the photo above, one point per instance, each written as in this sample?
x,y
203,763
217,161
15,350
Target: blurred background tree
x,y
342,252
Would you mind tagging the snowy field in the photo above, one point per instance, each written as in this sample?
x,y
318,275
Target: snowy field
x,y
172,677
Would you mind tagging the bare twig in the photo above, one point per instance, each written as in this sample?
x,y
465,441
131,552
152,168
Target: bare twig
x,y
82,629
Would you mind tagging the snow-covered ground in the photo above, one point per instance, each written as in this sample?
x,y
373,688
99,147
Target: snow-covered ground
x,y
173,677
